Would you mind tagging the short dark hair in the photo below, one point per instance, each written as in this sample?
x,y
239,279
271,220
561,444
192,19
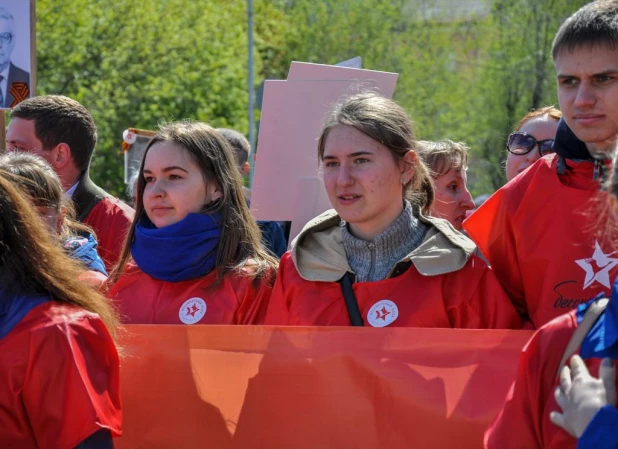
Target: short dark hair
x,y
239,144
59,119
593,24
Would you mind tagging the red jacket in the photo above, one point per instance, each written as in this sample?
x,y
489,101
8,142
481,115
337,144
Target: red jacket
x,y
142,299
440,285
108,216
110,219
59,379
539,234
524,420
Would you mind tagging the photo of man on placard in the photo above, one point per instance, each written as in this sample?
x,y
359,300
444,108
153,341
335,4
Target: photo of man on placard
x,y
14,81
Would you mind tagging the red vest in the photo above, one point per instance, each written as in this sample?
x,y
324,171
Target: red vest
x,y
59,379
142,299
540,235
467,298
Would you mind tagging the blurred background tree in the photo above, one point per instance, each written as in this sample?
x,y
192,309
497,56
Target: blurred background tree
x,y
469,69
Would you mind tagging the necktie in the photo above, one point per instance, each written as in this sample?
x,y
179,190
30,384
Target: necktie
x,y
1,92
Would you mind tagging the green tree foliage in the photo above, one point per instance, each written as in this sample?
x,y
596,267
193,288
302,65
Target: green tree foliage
x,y
517,73
138,63
462,76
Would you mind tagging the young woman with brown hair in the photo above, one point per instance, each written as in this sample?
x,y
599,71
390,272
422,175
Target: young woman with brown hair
x,y
59,370
376,259
193,253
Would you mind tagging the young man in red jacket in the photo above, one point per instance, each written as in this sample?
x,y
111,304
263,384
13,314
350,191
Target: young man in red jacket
x,y
585,53
63,132
540,231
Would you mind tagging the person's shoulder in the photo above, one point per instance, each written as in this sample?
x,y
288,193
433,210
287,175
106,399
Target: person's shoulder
x,y
116,207
18,74
131,271
553,336
52,317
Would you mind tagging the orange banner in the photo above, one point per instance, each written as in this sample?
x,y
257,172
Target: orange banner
x,y
313,388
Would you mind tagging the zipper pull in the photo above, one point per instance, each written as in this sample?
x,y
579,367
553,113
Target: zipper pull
x,y
597,169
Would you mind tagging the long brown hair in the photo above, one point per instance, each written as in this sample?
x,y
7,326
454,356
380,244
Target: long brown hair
x,y
34,176
240,249
31,260
388,123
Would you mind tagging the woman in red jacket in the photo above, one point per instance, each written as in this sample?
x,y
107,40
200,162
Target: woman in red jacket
x,y
193,253
59,368
377,259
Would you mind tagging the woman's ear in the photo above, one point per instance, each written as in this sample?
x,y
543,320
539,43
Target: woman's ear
x,y
408,166
214,192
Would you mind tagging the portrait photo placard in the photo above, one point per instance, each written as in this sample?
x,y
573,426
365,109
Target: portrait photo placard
x,y
17,55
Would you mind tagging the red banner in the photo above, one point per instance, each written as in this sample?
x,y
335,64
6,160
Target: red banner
x,y
313,388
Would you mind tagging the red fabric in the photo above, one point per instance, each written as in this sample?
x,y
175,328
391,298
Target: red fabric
x,y
260,387
110,219
94,278
468,298
535,229
524,420
142,299
59,379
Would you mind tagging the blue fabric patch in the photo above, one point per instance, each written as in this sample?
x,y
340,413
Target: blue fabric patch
x,y
602,432
178,252
602,339
14,307
273,237
85,250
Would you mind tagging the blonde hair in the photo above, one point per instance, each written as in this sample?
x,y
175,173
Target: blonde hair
x,y
35,177
444,155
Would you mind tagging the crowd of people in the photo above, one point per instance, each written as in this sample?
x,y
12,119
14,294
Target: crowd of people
x,y
402,246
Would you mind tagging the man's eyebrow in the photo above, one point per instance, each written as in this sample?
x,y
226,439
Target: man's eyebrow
x,y
603,73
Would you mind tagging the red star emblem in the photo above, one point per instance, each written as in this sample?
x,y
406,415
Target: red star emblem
x,y
382,314
191,310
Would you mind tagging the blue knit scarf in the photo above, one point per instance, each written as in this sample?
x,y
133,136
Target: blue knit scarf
x,y
178,252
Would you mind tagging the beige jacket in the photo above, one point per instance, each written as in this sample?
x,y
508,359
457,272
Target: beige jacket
x,y
319,255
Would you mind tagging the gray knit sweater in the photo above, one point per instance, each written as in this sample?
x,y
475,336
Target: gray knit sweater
x,y
373,260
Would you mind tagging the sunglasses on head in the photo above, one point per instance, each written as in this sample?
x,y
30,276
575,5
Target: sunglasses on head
x,y
523,143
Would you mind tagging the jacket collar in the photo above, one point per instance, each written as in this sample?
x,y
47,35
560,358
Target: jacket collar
x,y
86,196
319,255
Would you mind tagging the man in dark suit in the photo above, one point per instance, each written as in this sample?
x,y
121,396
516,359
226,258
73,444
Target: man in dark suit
x,y
14,81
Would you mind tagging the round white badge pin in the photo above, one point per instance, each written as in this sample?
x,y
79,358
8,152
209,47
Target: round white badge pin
x,y
192,310
382,313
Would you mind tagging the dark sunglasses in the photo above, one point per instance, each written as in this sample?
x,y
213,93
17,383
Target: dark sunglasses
x,y
523,143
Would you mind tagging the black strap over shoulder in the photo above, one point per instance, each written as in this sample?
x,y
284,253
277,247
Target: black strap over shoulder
x,y
350,300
